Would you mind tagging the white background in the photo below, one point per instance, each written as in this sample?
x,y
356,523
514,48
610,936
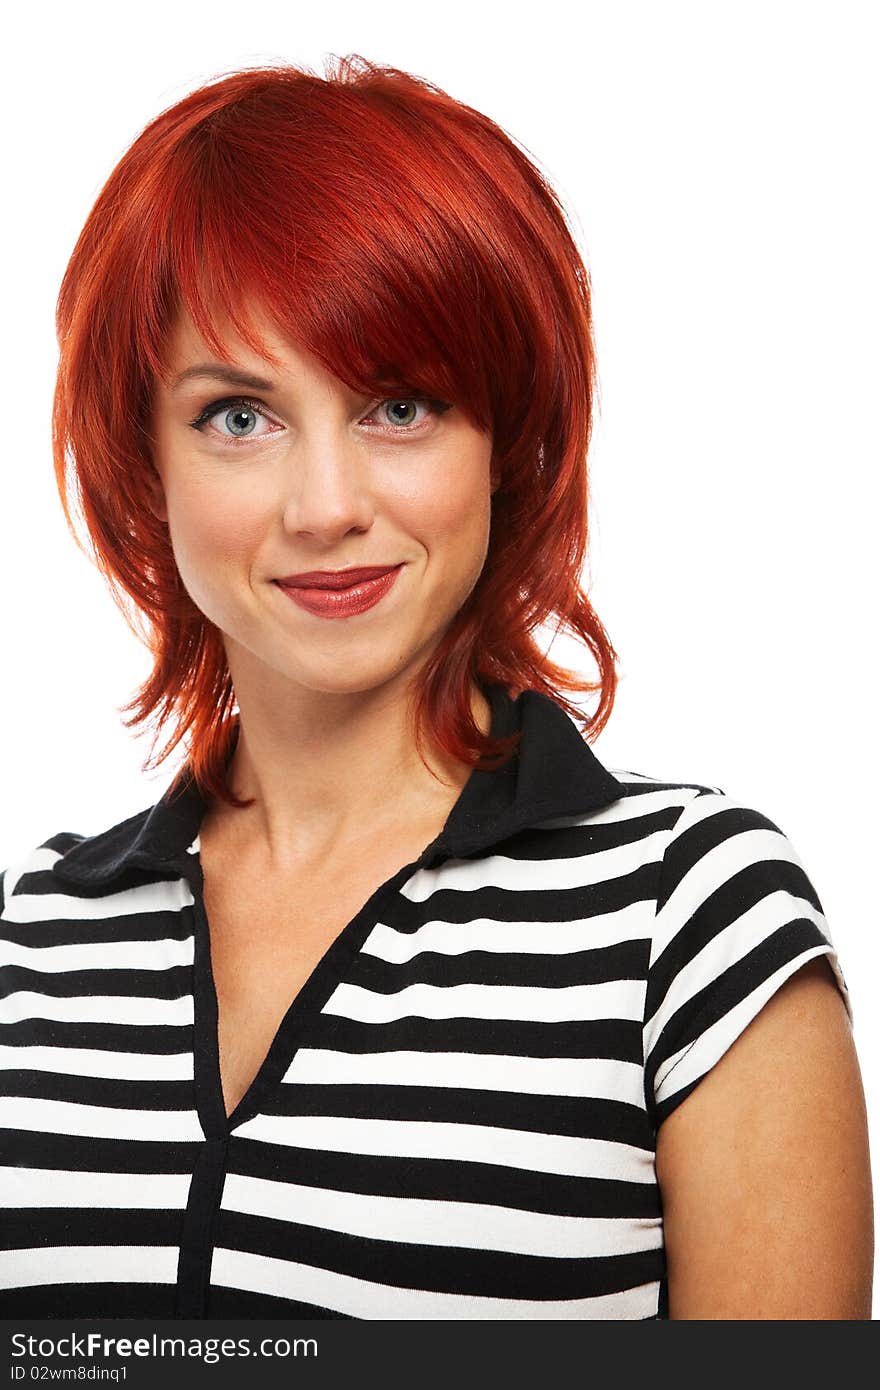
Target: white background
x,y
719,164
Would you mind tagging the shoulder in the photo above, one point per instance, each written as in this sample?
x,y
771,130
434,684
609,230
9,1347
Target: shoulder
x,y
60,866
654,827
35,910
781,1117
703,837
729,910
645,807
31,871
735,916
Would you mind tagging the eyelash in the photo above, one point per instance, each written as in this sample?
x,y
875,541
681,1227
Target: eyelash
x,y
228,402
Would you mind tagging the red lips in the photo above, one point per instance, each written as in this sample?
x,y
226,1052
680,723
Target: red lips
x,y
334,579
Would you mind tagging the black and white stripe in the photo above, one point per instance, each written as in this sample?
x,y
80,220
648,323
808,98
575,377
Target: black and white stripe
x,y
458,1117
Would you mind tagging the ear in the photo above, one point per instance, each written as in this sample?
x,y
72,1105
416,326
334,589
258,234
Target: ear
x,y
156,495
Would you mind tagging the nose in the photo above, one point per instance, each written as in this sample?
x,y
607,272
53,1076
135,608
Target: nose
x,y
328,485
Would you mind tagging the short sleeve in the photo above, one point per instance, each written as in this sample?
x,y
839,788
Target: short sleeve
x,y
736,915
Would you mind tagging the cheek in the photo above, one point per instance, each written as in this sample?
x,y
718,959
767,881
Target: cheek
x,y
455,486
212,538
453,522
209,533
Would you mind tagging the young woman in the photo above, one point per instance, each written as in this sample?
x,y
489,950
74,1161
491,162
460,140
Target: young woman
x,y
398,1003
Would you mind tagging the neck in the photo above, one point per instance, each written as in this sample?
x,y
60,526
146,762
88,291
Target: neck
x,y
329,770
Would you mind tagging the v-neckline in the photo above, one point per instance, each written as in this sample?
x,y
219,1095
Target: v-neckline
x,y
299,1016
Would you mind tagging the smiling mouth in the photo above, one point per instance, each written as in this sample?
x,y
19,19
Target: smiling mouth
x,y
335,579
340,601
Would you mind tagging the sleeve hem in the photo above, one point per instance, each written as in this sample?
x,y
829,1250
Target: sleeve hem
x,y
699,1057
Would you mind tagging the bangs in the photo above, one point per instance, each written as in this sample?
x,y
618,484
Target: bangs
x,y
343,236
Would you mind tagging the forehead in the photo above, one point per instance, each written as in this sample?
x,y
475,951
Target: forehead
x,y
186,343
186,346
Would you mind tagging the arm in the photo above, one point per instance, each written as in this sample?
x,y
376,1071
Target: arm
x,y
764,1170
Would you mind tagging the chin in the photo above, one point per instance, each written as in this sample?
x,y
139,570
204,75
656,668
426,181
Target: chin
x,y
345,676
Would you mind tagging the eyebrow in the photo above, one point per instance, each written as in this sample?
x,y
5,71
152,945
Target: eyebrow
x,y
217,371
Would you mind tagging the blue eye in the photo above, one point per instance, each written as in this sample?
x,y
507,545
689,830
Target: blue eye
x,y
406,403
402,404
236,408
241,415
233,419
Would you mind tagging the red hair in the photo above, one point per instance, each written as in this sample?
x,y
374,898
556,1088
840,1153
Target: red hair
x,y
401,237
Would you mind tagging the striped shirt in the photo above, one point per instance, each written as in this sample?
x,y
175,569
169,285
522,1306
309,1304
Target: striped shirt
x,y
458,1114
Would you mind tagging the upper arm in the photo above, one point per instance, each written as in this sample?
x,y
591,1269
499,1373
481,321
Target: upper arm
x,y
764,1169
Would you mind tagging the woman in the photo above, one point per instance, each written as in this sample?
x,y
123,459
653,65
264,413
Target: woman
x,y
397,1004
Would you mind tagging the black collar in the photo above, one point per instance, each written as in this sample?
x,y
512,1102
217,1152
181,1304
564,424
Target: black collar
x,y
556,773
